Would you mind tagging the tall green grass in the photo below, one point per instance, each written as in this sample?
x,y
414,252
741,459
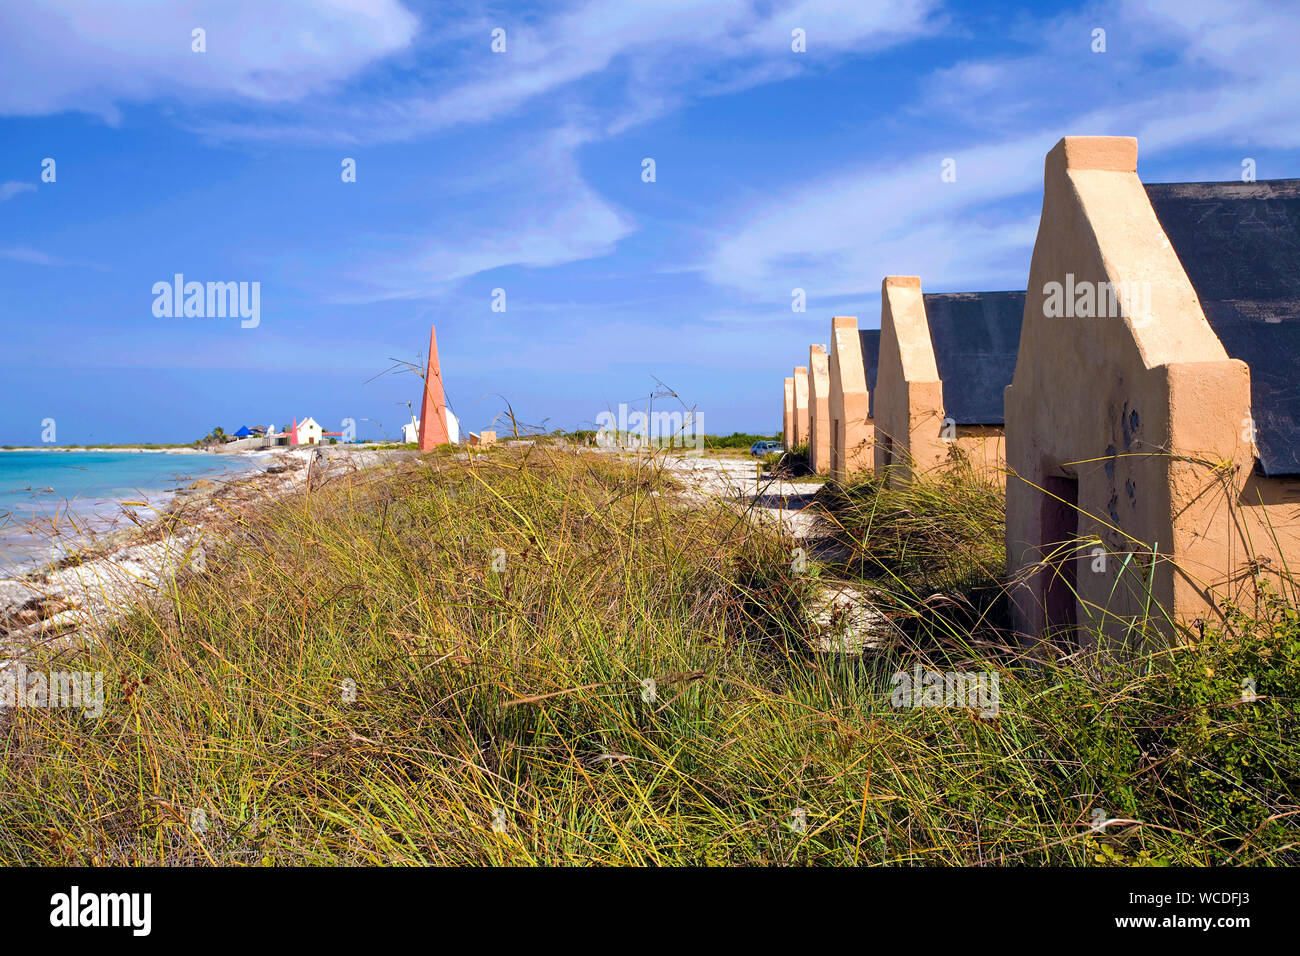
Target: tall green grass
x,y
501,619
943,531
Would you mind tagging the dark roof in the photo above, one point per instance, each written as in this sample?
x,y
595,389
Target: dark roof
x,y
975,336
1239,244
870,339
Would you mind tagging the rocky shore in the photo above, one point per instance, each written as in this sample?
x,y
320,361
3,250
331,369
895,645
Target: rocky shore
x,y
100,574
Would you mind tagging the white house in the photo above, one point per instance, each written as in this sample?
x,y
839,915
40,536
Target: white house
x,y
411,430
309,433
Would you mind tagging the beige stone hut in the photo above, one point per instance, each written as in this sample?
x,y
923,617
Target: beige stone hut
x,y
1153,425
944,362
800,406
851,366
787,415
819,416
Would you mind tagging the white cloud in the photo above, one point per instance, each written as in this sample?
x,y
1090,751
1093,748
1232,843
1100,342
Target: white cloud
x,y
840,236
1175,73
538,211
13,187
1247,86
88,55
1234,78
691,36
30,256
650,55
37,258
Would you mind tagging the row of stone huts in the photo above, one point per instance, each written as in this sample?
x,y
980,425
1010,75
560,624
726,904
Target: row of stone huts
x,y
1140,400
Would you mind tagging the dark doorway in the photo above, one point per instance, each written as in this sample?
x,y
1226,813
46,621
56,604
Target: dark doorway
x,y
1059,534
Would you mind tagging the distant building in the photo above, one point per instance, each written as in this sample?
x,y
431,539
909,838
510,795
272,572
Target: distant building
x,y
309,432
944,362
800,406
819,415
411,430
852,364
787,415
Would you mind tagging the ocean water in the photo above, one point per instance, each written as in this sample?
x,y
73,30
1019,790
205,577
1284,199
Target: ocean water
x,y
45,495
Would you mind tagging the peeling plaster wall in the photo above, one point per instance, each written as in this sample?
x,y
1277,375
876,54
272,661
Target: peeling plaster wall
x,y
852,429
1138,415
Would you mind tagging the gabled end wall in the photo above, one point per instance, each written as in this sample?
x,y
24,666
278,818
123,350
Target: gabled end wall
x,y
1127,429
913,434
800,405
787,415
819,418
852,429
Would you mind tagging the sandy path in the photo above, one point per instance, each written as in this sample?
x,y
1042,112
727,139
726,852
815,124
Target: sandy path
x,y
846,620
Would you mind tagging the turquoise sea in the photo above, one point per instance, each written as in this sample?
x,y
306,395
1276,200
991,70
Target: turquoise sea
x,y
46,491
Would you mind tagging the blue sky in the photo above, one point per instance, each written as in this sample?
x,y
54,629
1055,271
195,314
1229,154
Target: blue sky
x,y
522,171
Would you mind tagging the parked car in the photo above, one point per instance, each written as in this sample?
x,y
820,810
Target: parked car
x,y
761,448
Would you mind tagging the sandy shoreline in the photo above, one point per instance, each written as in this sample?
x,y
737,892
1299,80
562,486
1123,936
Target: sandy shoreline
x,y
77,594
35,532
125,450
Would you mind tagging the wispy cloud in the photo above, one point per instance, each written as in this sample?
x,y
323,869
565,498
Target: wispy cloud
x,y
1232,76
85,55
643,58
1175,73
685,40
31,256
535,210
13,187
37,258
839,236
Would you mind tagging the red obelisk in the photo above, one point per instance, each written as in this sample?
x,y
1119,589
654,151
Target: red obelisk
x,y
433,408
